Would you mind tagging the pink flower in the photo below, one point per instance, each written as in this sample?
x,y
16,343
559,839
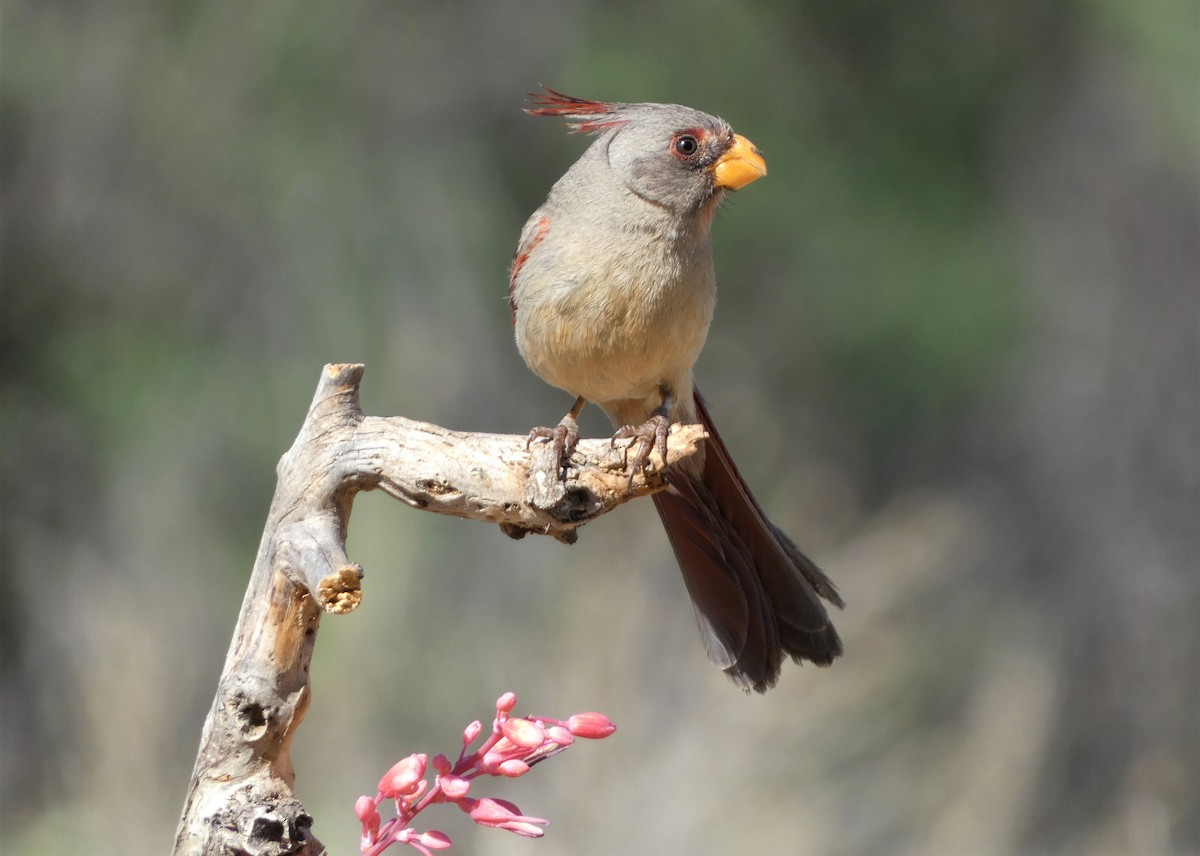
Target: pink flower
x,y
513,747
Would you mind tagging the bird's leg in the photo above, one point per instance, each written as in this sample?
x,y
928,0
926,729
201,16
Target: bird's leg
x,y
564,436
651,433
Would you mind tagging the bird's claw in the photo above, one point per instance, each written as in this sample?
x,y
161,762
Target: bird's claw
x,y
563,437
650,434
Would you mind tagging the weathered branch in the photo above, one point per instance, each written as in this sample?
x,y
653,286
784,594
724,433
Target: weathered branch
x,y
240,798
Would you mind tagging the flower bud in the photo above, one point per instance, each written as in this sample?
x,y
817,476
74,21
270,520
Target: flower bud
x,y
454,787
490,761
560,735
434,840
441,763
524,828
489,812
590,725
364,807
505,747
524,733
368,813
471,732
506,702
404,777
512,768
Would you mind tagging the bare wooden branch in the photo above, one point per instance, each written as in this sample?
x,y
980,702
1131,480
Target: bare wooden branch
x,y
240,799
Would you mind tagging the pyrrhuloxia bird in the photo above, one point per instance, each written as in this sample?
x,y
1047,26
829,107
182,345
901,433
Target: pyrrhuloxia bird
x,y
612,291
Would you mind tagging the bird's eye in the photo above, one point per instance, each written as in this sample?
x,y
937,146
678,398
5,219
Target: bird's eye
x,y
685,146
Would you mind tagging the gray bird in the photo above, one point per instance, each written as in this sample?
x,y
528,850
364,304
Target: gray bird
x,y
612,290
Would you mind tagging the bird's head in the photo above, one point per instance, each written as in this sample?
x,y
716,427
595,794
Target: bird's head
x,y
670,155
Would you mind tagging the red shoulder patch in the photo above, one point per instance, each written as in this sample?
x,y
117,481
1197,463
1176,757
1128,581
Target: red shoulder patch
x,y
519,260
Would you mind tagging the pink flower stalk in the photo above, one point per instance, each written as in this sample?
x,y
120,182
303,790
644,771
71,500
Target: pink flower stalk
x,y
513,747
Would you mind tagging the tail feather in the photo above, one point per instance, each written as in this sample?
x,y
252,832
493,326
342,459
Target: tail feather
x,y
756,596
728,602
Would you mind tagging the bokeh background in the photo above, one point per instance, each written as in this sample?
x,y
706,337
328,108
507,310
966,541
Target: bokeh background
x,y
955,354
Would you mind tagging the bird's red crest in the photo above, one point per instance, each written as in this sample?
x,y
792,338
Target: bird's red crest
x,y
587,117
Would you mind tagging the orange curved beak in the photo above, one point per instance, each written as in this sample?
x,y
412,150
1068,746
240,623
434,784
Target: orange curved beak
x,y
741,164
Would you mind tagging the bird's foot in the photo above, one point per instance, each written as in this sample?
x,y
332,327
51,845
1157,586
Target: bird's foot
x,y
650,434
563,437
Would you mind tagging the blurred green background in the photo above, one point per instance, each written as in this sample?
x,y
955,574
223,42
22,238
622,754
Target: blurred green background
x,y
955,354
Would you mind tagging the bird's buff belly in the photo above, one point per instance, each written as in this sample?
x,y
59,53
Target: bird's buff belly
x,y
609,351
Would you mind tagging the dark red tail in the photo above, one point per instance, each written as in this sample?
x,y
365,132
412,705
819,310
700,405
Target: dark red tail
x,y
756,596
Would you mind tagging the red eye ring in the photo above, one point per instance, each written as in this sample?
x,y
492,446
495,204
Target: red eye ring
x,y
685,146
